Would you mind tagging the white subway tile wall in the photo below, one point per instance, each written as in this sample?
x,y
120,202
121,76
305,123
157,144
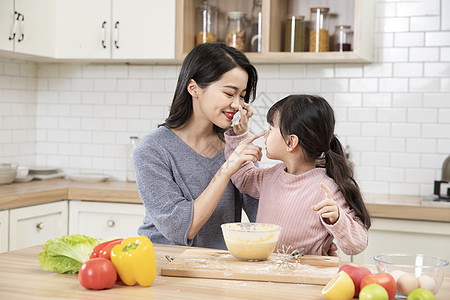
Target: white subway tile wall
x,y
393,114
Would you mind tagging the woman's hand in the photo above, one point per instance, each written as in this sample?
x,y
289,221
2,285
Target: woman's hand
x,y
327,208
244,152
241,126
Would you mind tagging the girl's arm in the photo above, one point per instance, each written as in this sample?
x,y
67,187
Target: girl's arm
x,y
349,232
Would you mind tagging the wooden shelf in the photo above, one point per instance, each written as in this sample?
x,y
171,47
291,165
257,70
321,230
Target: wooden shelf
x,y
357,13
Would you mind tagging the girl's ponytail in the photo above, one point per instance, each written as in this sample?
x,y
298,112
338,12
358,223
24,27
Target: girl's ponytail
x,y
339,168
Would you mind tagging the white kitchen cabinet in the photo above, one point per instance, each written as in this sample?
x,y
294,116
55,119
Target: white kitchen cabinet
x,y
6,24
34,225
406,236
118,29
4,221
28,26
83,29
105,220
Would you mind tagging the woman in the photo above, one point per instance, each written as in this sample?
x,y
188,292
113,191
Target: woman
x,y
179,166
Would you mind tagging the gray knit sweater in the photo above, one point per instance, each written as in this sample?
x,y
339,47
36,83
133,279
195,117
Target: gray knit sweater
x,y
170,176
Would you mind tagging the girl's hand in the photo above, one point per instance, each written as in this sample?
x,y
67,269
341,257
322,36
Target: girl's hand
x,y
327,208
241,126
244,152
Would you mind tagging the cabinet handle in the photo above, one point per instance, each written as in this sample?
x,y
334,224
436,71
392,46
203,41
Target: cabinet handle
x,y
21,28
104,34
110,223
40,226
116,35
15,26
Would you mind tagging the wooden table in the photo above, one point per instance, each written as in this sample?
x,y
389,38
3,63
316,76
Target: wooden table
x,y
21,277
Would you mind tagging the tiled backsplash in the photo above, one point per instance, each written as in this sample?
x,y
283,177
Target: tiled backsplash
x,y
394,114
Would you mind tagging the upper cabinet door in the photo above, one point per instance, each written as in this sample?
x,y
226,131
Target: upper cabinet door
x,y
83,29
6,24
36,28
143,29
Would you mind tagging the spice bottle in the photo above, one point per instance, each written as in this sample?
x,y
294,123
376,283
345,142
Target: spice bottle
x,y
255,40
294,33
318,38
131,174
206,23
236,30
343,37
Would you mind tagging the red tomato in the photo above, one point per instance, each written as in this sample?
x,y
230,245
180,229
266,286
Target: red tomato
x,y
384,279
97,274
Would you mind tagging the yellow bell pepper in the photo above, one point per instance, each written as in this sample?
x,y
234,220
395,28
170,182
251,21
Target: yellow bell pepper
x,y
134,260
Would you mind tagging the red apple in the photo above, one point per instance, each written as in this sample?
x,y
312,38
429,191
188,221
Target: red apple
x,y
384,279
356,273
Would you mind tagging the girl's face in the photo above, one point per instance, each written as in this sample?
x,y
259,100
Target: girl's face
x,y
219,102
275,144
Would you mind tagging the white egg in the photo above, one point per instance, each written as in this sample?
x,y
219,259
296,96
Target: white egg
x,y
396,274
427,282
407,283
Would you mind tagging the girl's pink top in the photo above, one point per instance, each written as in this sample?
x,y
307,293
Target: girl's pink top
x,y
286,200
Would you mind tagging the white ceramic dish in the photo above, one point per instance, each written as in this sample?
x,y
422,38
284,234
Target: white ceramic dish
x,y
23,179
43,170
87,177
48,176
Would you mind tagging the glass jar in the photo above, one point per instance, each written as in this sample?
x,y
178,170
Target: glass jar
x,y
206,23
255,40
294,33
236,30
318,38
343,37
131,174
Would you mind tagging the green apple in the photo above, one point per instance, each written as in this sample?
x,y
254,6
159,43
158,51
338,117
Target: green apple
x,y
421,294
373,291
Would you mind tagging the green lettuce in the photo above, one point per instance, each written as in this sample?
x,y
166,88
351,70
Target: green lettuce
x,y
66,254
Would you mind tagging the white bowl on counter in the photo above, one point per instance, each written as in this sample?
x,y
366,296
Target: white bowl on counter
x,y
8,173
22,172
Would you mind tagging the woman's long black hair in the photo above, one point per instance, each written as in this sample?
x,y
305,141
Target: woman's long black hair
x,y
312,120
206,63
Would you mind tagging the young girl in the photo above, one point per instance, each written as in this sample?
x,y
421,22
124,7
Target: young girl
x,y
291,194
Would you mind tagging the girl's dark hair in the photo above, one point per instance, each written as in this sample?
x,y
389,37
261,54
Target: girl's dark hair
x,y
312,120
206,64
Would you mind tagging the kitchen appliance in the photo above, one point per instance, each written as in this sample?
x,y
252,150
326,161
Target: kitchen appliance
x,y
442,187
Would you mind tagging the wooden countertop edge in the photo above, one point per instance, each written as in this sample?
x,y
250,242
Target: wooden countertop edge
x,y
115,196
33,198
421,213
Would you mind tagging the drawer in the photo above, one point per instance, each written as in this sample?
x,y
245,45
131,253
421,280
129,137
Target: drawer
x,y
105,220
34,225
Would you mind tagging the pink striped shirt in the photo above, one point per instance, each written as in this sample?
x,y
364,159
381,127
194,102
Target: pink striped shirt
x,y
286,200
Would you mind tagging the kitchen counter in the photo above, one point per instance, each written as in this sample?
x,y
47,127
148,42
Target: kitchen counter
x,y
36,192
21,277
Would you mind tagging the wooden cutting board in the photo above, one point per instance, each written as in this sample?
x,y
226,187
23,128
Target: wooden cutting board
x,y
219,264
